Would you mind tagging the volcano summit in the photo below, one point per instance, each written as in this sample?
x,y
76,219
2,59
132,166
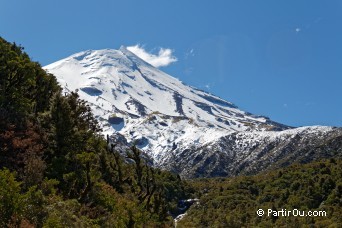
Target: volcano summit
x,y
182,128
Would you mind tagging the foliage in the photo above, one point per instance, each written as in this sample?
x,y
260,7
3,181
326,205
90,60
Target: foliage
x,y
56,170
233,202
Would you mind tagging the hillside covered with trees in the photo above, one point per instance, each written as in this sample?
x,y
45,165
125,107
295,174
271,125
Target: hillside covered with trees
x,y
56,170
233,202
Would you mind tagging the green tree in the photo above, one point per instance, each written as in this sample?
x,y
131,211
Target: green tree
x,y
9,197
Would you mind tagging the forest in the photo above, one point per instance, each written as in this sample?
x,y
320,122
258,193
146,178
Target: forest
x,y
233,202
57,170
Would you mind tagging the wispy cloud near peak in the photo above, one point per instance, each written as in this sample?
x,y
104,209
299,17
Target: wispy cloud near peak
x,y
164,57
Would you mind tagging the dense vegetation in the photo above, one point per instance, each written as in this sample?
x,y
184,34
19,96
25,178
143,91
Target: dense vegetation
x,y
233,202
55,168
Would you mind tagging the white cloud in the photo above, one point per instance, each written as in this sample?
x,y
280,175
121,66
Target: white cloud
x,y
298,30
164,57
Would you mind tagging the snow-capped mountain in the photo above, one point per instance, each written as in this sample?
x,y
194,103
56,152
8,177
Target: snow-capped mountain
x,y
167,119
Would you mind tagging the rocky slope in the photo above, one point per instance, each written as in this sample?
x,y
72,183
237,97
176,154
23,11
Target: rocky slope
x,y
182,128
253,152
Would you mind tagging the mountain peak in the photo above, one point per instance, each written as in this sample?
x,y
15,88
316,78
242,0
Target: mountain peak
x,y
137,100
176,124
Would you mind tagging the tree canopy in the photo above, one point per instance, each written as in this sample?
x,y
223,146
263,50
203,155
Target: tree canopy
x,y
56,170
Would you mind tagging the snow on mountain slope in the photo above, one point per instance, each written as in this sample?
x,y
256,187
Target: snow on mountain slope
x,y
153,109
120,82
255,151
148,104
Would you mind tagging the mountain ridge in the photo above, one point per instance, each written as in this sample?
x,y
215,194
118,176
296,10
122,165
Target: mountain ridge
x,y
159,113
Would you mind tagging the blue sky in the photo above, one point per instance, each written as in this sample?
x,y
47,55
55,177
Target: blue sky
x,y
282,59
